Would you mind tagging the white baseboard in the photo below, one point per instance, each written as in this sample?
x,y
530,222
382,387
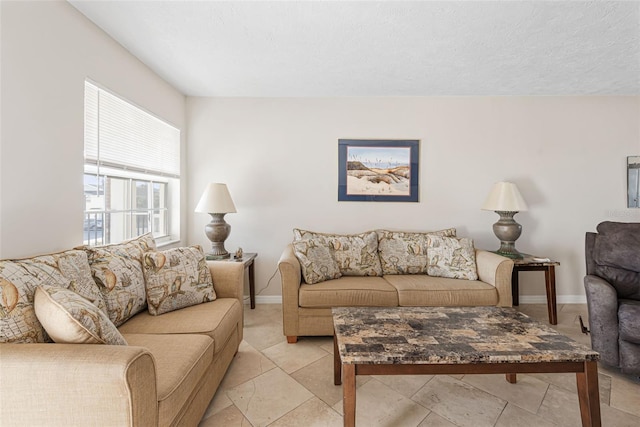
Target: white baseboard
x,y
265,299
560,299
524,299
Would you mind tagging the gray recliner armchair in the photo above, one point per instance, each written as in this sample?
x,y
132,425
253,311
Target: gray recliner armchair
x,y
612,286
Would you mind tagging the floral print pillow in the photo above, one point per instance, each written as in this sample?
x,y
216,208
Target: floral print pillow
x,y
316,262
406,252
451,257
117,269
356,254
177,278
19,280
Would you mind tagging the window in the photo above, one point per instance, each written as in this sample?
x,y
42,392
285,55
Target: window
x,y
131,171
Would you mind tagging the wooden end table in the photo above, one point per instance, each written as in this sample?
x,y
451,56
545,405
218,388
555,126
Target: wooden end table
x,y
531,263
247,261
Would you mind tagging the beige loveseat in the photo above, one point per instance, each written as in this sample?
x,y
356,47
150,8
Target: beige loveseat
x,y
165,376
307,307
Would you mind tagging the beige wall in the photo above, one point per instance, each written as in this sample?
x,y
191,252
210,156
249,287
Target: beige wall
x,y
279,158
48,49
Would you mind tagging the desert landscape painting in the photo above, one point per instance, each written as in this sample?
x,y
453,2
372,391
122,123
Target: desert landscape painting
x,y
378,171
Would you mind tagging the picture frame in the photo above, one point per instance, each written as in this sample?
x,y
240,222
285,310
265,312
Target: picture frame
x,y
633,182
372,170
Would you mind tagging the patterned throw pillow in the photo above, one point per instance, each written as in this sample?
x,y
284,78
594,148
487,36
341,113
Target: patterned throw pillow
x,y
316,261
177,278
406,252
70,319
117,269
19,280
356,254
451,257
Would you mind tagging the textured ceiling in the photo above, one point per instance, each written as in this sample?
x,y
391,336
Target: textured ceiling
x,y
391,48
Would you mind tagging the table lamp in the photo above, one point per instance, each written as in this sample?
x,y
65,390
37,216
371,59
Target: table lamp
x,y
506,201
216,201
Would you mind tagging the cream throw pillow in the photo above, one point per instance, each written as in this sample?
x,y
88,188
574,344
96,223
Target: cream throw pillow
x,y
71,319
177,278
451,257
316,262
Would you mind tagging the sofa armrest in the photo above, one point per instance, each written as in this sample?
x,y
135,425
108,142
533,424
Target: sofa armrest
x,y
496,270
228,279
602,303
77,384
291,277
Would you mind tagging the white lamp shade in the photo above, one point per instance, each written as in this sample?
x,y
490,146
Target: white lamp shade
x,y
216,199
505,197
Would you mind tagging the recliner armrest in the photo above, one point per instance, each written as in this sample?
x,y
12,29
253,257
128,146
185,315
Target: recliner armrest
x,y
602,303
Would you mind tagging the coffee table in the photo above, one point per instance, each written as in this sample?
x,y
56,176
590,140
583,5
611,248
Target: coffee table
x,y
455,340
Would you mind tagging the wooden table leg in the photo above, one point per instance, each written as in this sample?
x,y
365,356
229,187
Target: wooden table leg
x,y
511,378
514,288
252,285
589,395
550,282
337,365
349,395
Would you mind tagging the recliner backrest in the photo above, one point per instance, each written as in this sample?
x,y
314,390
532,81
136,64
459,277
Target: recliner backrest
x,y
614,254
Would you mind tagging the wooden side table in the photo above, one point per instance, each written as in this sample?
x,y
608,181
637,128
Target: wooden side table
x,y
247,261
530,263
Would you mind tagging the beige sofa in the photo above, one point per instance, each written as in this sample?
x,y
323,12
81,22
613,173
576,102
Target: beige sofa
x,y
307,308
165,376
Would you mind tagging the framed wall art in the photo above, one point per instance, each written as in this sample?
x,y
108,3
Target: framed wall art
x,y
633,182
378,170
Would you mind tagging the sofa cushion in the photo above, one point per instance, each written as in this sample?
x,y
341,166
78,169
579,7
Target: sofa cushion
x,y
117,269
451,257
316,261
177,278
19,280
629,320
422,290
356,254
71,319
181,361
349,291
217,319
405,252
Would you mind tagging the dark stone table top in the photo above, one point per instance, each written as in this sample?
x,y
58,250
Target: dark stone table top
x,y
449,335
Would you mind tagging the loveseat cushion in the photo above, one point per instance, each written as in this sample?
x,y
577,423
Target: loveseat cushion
x,y
181,361
117,269
404,252
19,280
216,319
349,291
423,290
69,318
177,278
451,257
355,254
629,320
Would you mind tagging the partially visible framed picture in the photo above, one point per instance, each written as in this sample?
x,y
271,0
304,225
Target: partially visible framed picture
x,y
633,182
378,170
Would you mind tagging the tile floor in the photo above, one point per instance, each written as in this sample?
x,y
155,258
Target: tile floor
x,y
272,383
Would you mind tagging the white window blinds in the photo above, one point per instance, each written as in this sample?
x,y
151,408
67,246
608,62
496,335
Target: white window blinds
x,y
122,136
